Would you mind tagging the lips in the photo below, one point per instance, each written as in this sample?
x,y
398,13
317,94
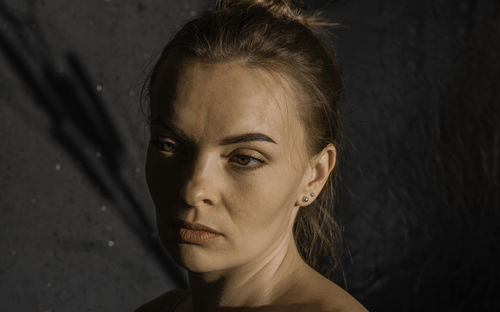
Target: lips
x,y
197,233
194,226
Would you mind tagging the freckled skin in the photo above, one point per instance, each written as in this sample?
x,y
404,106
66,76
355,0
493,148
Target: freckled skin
x,y
252,203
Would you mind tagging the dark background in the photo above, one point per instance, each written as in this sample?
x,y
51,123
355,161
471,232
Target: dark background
x,y
420,173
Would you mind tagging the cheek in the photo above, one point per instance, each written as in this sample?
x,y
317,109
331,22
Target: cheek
x,y
150,165
263,206
155,170
160,179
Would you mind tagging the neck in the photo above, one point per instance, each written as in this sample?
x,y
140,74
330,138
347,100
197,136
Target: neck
x,y
259,282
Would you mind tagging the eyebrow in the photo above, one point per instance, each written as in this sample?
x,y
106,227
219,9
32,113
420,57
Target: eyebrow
x,y
247,137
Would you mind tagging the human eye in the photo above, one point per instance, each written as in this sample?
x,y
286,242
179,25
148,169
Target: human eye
x,y
245,161
163,145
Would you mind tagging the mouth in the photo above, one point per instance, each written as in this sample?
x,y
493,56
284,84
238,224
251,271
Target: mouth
x,y
190,232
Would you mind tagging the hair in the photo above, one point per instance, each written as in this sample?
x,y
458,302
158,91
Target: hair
x,y
279,37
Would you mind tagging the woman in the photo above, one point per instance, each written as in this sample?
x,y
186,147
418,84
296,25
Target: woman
x,y
245,130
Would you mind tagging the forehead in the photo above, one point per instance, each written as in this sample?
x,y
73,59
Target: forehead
x,y
213,100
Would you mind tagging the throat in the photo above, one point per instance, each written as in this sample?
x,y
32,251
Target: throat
x,y
264,281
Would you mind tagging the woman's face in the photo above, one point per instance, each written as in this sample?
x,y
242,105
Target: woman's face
x,y
202,168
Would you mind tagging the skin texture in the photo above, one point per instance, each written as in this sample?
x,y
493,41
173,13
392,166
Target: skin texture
x,y
248,191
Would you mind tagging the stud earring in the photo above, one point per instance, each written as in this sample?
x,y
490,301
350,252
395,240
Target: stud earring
x,y
305,199
312,194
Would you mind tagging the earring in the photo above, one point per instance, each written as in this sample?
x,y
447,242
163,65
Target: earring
x,y
305,199
312,194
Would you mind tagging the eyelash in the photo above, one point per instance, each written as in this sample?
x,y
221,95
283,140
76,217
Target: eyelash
x,y
160,143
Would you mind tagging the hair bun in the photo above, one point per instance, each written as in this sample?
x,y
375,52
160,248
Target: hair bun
x,y
289,9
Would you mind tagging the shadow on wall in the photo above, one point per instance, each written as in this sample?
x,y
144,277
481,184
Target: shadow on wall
x,y
78,115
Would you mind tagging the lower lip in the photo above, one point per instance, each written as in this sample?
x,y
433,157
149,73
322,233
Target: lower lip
x,y
195,236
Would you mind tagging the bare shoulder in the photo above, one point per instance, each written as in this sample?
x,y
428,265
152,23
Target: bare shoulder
x,y
161,303
335,299
342,303
331,298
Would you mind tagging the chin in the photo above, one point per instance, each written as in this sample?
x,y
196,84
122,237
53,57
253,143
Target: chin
x,y
195,258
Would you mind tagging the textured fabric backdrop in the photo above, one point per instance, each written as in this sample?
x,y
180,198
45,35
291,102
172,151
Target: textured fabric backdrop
x,y
419,196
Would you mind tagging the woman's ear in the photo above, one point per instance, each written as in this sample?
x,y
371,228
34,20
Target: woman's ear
x,y
320,167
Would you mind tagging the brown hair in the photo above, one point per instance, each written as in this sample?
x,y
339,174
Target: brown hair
x,y
278,36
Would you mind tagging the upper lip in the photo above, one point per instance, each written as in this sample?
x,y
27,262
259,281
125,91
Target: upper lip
x,y
194,226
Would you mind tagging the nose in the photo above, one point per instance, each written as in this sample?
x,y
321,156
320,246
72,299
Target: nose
x,y
199,187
